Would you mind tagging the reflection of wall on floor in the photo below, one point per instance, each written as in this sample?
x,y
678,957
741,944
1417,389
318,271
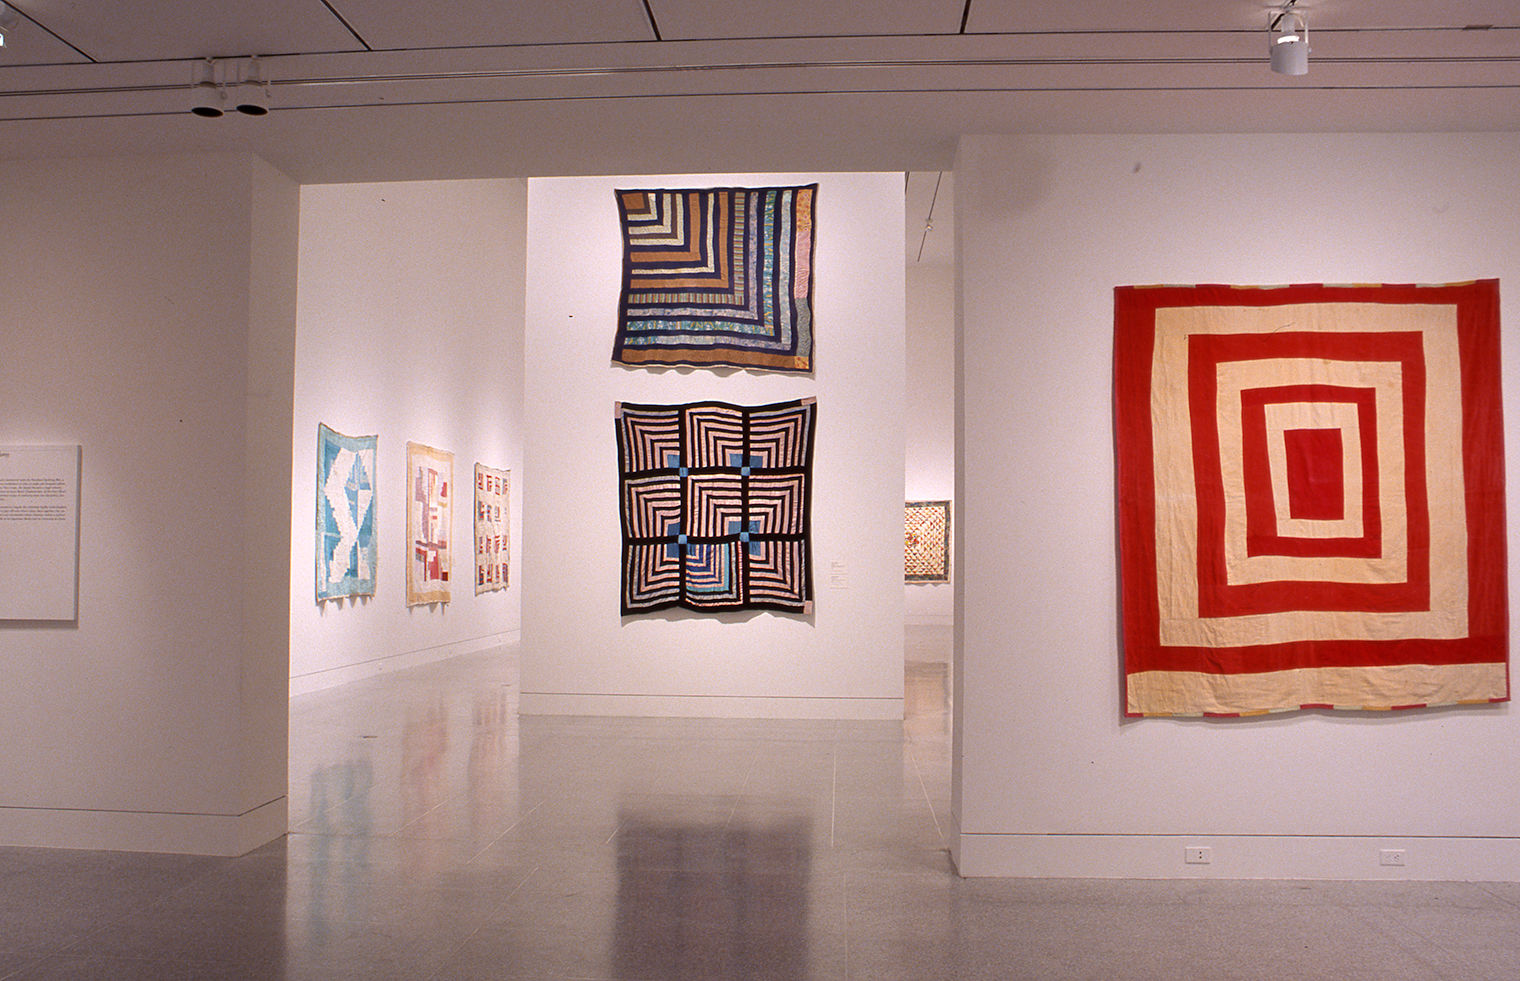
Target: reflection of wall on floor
x,y
695,900
930,423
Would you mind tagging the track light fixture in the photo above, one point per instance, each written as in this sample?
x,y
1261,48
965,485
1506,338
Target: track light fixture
x,y
7,21
206,97
1288,40
211,86
251,97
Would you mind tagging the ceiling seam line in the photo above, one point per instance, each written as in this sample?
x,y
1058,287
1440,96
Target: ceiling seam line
x,y
368,49
654,25
56,36
316,82
983,89
346,25
791,94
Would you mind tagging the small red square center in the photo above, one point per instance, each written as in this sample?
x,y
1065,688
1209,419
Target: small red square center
x,y
1315,474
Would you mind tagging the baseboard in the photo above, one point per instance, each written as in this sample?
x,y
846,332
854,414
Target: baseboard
x,y
1237,857
710,706
304,684
144,831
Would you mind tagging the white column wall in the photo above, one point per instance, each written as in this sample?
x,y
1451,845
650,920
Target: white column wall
x,y
579,655
1052,781
931,418
409,327
148,312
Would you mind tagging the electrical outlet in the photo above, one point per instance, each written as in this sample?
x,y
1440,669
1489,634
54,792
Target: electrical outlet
x,y
1391,856
1197,855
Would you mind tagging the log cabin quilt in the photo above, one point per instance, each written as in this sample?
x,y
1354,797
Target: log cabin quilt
x,y
715,506
717,277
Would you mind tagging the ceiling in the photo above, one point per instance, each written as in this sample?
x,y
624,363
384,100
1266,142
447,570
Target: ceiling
x,y
386,89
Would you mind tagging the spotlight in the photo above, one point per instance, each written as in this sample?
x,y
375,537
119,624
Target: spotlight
x,y
1288,40
251,97
206,96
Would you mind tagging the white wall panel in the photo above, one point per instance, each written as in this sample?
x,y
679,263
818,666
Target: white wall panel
x,y
930,418
148,311
579,654
1048,226
410,328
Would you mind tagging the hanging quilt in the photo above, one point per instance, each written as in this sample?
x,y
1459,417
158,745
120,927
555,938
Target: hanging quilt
x,y
926,541
1311,497
429,511
717,277
346,549
492,490
714,501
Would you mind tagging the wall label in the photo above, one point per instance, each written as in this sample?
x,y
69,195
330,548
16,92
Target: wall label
x,y
39,532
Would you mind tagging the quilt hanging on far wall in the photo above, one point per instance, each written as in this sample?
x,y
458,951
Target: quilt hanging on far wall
x,y
926,541
346,550
717,277
1311,497
715,506
429,511
491,548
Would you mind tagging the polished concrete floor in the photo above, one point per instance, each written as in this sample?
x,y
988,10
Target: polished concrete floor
x,y
437,835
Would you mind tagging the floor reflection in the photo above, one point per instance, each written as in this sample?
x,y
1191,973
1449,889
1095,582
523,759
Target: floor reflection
x,y
712,901
441,837
424,741
340,796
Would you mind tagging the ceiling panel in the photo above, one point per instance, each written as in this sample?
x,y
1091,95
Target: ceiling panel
x,y
392,24
152,30
517,100
687,19
28,44
1014,16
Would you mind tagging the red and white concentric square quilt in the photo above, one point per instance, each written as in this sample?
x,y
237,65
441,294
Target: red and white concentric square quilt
x,y
1311,497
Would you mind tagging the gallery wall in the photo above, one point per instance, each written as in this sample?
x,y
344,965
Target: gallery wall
x,y
148,312
1051,779
409,328
578,654
930,417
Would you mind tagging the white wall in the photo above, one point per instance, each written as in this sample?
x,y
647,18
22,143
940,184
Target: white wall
x,y
930,419
1052,780
579,655
148,312
409,327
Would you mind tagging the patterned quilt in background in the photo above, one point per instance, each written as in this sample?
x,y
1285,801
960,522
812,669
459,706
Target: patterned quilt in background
x,y
429,522
926,541
717,277
346,550
493,492
714,501
1311,497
